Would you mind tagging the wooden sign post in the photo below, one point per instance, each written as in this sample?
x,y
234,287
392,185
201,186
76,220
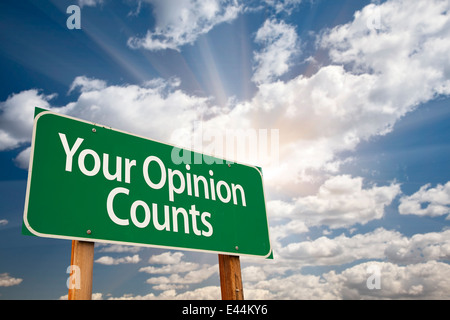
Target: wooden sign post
x,y
230,277
82,259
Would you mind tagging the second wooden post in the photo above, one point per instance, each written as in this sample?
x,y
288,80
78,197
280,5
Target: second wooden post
x,y
230,277
82,262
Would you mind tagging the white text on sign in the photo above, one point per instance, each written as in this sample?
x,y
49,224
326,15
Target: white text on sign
x,y
173,180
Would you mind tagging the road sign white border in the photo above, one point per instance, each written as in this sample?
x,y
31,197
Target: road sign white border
x,y
39,234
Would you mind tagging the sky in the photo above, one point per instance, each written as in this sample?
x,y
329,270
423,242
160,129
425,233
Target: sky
x,y
350,103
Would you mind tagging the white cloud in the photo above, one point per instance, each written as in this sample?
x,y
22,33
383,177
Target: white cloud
x,y
146,110
7,281
379,244
178,267
377,76
253,274
166,258
427,201
3,222
341,201
129,296
87,84
169,287
428,280
416,281
180,273
283,5
313,124
340,250
23,159
419,248
89,3
107,260
156,110
322,115
421,278
294,287
195,276
286,229
117,248
204,293
280,45
16,117
182,22
408,45
95,296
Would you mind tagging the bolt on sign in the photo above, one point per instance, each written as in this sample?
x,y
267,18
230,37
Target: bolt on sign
x,y
93,183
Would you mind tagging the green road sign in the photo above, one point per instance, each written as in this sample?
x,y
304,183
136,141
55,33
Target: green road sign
x,y
93,183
